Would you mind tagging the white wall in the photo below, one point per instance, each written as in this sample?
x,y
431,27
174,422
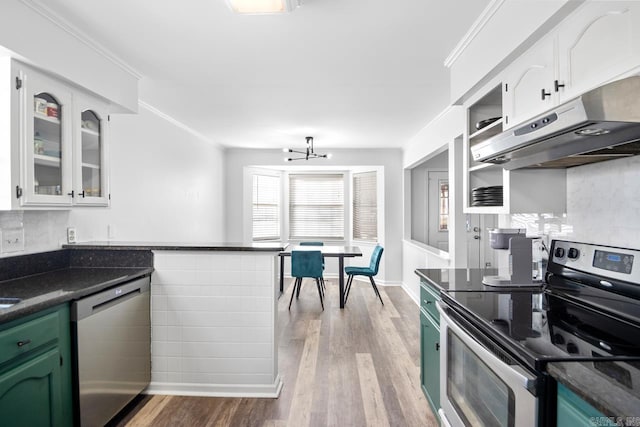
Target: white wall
x,y
166,185
391,159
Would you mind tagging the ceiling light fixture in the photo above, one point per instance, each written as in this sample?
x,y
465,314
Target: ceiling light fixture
x,y
309,154
260,7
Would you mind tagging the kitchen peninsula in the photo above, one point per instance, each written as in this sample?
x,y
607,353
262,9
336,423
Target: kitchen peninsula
x,y
213,317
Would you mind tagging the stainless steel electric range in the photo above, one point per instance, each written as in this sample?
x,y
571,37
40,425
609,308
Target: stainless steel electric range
x,y
498,342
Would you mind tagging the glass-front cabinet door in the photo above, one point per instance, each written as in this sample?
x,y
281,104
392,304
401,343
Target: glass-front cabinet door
x,y
46,142
90,177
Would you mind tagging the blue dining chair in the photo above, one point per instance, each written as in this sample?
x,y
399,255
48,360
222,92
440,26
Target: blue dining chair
x,y
370,272
306,264
316,244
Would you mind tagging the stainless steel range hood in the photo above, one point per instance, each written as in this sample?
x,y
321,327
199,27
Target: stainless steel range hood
x,y
602,124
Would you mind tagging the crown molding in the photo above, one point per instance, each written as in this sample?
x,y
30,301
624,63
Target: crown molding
x,y
43,10
178,124
473,32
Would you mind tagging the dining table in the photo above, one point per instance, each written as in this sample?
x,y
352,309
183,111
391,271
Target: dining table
x,y
328,251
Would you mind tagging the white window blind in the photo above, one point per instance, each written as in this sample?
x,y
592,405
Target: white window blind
x,y
365,206
316,206
266,210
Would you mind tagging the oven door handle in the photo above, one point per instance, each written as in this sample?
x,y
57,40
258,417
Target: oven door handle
x,y
513,374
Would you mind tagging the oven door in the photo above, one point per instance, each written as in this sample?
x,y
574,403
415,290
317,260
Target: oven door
x,y
478,387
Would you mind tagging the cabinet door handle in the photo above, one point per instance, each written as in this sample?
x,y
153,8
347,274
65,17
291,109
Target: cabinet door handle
x,y
557,85
437,346
426,301
72,194
81,194
545,94
23,343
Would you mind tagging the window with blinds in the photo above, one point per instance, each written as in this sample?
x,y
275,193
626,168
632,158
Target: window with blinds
x,y
266,207
365,206
316,206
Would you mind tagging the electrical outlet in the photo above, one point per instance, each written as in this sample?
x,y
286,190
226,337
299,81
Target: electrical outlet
x,y
71,235
12,240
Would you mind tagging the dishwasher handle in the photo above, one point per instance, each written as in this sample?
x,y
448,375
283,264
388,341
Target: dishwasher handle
x,y
96,303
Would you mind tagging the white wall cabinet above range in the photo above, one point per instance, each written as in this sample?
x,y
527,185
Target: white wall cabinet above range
x,y
527,83
597,43
53,147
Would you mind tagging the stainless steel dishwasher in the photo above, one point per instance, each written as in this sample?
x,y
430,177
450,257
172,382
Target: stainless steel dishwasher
x,y
113,341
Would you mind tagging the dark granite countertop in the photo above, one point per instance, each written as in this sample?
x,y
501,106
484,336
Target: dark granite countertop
x,y
457,279
47,279
45,290
604,393
182,246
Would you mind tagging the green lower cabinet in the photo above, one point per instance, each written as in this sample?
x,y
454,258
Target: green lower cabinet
x,y
575,412
35,370
430,360
31,393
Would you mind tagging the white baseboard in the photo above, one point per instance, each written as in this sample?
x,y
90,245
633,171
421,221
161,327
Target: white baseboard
x,y
415,298
378,281
217,390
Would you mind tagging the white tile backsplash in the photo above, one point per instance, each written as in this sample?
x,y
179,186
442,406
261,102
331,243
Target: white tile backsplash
x,y
43,230
215,317
603,206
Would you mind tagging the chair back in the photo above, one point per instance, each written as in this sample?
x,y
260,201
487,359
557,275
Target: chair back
x,y
376,255
311,243
306,264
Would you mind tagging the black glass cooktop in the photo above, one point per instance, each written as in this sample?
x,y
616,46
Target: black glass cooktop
x,y
537,326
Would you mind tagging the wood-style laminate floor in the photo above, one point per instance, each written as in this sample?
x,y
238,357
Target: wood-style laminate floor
x,y
354,367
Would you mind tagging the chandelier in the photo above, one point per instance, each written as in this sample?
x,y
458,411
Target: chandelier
x,y
308,154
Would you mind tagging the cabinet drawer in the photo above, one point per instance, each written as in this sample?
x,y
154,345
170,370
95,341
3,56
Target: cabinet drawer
x,y
428,298
28,336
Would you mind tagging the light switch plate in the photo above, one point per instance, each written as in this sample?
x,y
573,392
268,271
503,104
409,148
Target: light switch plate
x,y
71,235
12,240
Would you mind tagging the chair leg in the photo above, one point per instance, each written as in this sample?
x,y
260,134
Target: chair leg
x,y
347,288
320,293
322,286
293,292
375,288
299,286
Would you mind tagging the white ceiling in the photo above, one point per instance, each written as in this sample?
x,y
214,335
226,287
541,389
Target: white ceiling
x,y
351,73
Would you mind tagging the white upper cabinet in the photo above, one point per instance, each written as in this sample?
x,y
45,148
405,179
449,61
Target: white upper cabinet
x,y
528,83
598,43
90,178
55,146
46,117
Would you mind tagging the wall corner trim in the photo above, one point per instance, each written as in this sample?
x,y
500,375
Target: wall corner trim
x,y
179,124
473,32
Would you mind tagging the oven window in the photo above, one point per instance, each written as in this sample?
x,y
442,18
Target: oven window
x,y
479,396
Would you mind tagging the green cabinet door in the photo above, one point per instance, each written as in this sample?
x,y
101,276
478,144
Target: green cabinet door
x,y
31,394
35,370
575,412
430,360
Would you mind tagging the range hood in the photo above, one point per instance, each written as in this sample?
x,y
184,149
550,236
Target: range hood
x,y
602,124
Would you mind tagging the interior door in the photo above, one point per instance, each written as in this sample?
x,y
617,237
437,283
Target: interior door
x,y
479,252
438,210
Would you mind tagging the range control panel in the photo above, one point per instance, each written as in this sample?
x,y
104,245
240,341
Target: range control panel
x,y
617,263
